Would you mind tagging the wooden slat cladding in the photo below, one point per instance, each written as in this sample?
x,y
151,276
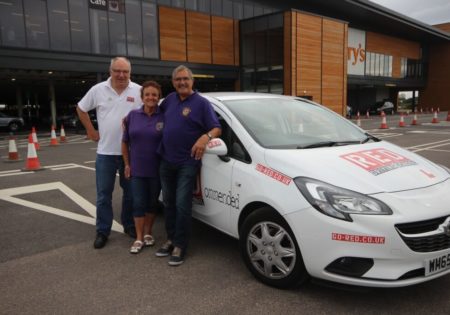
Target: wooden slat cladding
x,y
198,37
394,46
288,65
437,92
309,56
236,43
222,40
172,32
332,64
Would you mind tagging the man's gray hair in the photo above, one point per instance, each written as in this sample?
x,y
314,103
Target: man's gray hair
x,y
113,60
182,68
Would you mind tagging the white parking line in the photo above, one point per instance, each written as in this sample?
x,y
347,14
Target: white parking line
x,y
9,193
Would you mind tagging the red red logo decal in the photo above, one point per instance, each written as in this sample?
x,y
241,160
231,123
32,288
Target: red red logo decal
x,y
274,174
214,143
378,161
130,99
357,238
430,175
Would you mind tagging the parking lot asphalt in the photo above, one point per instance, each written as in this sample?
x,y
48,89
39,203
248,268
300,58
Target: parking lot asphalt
x,y
48,264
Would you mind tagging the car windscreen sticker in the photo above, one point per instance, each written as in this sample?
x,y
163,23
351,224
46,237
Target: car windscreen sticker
x,y
274,174
367,239
378,161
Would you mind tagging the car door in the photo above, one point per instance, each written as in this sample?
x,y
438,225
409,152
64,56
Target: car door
x,y
213,197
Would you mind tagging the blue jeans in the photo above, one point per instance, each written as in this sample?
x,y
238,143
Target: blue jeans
x,y
178,182
145,195
106,167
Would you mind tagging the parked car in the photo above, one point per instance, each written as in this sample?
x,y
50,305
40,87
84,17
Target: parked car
x,y
386,106
309,194
72,121
11,122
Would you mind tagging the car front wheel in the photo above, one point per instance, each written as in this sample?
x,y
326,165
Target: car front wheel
x,y
270,250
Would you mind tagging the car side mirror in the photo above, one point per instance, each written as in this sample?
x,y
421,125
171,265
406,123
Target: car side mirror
x,y
216,146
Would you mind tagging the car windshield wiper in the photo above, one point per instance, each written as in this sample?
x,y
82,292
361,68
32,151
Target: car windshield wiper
x,y
327,144
370,137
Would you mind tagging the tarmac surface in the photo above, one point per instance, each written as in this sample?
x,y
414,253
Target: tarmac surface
x,y
48,264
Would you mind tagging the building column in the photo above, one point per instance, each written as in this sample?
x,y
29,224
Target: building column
x,y
52,101
19,101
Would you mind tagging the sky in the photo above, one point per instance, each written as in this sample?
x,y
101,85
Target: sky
x,y
427,11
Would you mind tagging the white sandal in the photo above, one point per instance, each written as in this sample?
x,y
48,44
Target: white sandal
x,y
136,247
149,240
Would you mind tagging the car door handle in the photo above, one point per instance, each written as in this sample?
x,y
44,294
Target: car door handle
x,y
238,184
224,158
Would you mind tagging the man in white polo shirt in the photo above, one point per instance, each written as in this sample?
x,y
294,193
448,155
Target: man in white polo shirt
x,y
112,99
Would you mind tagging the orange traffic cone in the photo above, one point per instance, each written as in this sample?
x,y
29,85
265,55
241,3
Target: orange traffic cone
x,y
53,140
13,155
383,121
421,110
367,114
438,110
32,163
435,118
358,119
35,139
414,121
448,115
62,135
401,123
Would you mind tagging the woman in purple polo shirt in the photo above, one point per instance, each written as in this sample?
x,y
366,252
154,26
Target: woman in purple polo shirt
x,y
141,137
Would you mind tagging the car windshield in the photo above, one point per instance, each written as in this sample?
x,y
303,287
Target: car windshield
x,y
287,123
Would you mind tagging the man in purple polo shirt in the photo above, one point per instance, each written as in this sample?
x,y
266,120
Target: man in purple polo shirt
x,y
190,122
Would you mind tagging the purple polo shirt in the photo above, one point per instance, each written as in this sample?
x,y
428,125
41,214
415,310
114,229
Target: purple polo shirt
x,y
184,122
143,134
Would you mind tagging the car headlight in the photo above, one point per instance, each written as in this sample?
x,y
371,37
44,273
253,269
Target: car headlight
x,y
339,202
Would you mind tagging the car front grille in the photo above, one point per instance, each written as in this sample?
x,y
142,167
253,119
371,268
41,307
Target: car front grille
x,y
426,236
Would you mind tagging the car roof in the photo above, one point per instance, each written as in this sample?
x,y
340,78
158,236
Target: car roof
x,y
225,96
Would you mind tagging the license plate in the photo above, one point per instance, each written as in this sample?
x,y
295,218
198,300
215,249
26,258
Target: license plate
x,y
437,264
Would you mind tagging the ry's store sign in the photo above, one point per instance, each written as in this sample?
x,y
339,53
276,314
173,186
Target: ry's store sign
x,y
356,51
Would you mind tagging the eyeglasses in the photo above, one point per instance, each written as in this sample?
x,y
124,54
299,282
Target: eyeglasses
x,y
179,79
117,71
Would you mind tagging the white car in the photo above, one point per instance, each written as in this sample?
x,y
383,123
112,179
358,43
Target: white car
x,y
310,194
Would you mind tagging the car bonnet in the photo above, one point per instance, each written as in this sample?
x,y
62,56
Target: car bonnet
x,y
368,168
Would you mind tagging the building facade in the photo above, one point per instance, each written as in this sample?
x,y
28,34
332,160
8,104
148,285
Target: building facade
x,y
338,53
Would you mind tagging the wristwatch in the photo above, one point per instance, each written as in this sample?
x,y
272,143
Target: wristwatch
x,y
209,136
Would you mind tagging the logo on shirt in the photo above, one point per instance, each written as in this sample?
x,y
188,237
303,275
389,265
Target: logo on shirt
x,y
186,111
130,99
159,126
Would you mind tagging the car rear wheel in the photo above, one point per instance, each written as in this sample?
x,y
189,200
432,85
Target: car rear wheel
x,y
14,126
270,250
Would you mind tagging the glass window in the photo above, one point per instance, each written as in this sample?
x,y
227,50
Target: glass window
x,y
227,8
36,24
262,75
150,30
258,10
204,6
216,7
164,2
134,28
238,9
191,5
178,3
99,31
12,26
390,66
117,36
79,25
58,19
248,10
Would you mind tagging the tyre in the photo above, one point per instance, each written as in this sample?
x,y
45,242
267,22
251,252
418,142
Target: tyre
x,y
14,126
270,251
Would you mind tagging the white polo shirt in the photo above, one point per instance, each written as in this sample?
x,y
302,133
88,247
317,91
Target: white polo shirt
x,y
111,108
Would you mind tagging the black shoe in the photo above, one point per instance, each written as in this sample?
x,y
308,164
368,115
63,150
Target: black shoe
x,y
165,250
131,232
100,240
177,257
